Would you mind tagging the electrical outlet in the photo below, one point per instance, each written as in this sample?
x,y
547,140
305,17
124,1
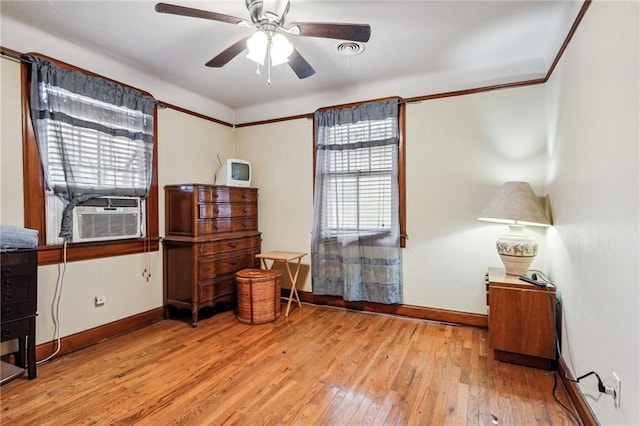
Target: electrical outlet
x,y
100,300
617,384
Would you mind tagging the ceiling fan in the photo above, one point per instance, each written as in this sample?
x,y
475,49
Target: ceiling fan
x,y
269,41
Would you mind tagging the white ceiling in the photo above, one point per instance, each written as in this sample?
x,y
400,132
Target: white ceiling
x,y
461,44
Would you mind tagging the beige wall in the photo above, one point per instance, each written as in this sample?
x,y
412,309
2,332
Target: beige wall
x,y
188,148
11,203
281,159
594,186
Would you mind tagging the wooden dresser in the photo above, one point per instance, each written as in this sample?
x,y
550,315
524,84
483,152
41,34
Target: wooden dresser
x,y
522,318
211,232
19,294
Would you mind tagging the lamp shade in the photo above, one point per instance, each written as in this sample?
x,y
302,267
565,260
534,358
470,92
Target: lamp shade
x,y
515,203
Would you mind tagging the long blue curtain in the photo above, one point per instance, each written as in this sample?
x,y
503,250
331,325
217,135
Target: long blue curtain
x,y
95,137
355,244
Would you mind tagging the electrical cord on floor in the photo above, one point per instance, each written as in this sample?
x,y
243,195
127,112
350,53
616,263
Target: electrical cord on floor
x,y
557,341
55,303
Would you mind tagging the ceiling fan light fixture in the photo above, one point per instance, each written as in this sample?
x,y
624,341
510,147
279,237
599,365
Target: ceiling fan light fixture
x,y
281,49
257,46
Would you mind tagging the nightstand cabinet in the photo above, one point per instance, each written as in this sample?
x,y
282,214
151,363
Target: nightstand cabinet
x,y
521,320
211,233
19,286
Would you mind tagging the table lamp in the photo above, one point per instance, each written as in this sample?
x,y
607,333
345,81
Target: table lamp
x,y
516,205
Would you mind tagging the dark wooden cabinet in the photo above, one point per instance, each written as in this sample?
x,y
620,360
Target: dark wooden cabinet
x,y
211,232
19,304
521,320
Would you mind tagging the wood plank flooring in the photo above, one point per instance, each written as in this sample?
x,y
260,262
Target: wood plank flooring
x,y
318,366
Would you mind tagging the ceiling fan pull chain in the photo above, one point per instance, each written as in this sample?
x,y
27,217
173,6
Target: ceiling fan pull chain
x,y
269,61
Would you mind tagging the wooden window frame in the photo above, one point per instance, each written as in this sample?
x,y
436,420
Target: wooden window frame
x,y
402,159
34,194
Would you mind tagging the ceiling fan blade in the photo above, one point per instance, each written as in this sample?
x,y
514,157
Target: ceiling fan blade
x,y
353,32
228,54
196,13
299,65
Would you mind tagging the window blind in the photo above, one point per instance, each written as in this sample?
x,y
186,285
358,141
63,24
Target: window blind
x,y
359,174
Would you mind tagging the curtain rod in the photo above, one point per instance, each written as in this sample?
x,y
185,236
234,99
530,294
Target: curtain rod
x,y
14,55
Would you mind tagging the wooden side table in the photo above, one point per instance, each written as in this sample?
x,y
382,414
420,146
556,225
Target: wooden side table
x,y
521,320
287,257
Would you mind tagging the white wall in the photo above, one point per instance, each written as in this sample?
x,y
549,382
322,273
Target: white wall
x,y
594,189
459,152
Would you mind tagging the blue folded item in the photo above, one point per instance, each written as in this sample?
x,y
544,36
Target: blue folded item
x,y
15,237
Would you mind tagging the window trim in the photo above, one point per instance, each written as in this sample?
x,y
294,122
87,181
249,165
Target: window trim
x,y
34,193
402,180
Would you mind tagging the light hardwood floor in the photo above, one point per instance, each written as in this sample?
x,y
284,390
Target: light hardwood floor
x,y
318,366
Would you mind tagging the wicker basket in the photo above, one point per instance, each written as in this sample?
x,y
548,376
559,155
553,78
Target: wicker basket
x,y
258,295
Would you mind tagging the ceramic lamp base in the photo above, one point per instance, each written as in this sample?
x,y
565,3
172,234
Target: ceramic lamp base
x,y
517,250
516,265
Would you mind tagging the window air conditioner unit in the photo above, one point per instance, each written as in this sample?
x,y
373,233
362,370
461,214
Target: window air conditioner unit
x,y
107,218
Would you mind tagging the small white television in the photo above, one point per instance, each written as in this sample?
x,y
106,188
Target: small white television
x,y
234,172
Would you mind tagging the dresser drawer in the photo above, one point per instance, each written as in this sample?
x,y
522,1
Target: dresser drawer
x,y
11,311
15,329
210,290
209,249
225,194
212,226
15,269
213,211
15,288
225,264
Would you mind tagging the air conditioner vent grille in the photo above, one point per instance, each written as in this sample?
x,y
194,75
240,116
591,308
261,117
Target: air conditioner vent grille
x,y
107,218
107,226
110,202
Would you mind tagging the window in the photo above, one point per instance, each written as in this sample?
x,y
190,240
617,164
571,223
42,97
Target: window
x,y
109,149
358,182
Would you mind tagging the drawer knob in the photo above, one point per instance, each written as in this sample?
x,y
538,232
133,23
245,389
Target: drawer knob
x,y
233,245
7,297
6,271
245,210
244,224
7,311
6,332
7,284
233,263
245,195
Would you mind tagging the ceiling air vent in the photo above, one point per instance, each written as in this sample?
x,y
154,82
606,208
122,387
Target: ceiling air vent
x,y
349,48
